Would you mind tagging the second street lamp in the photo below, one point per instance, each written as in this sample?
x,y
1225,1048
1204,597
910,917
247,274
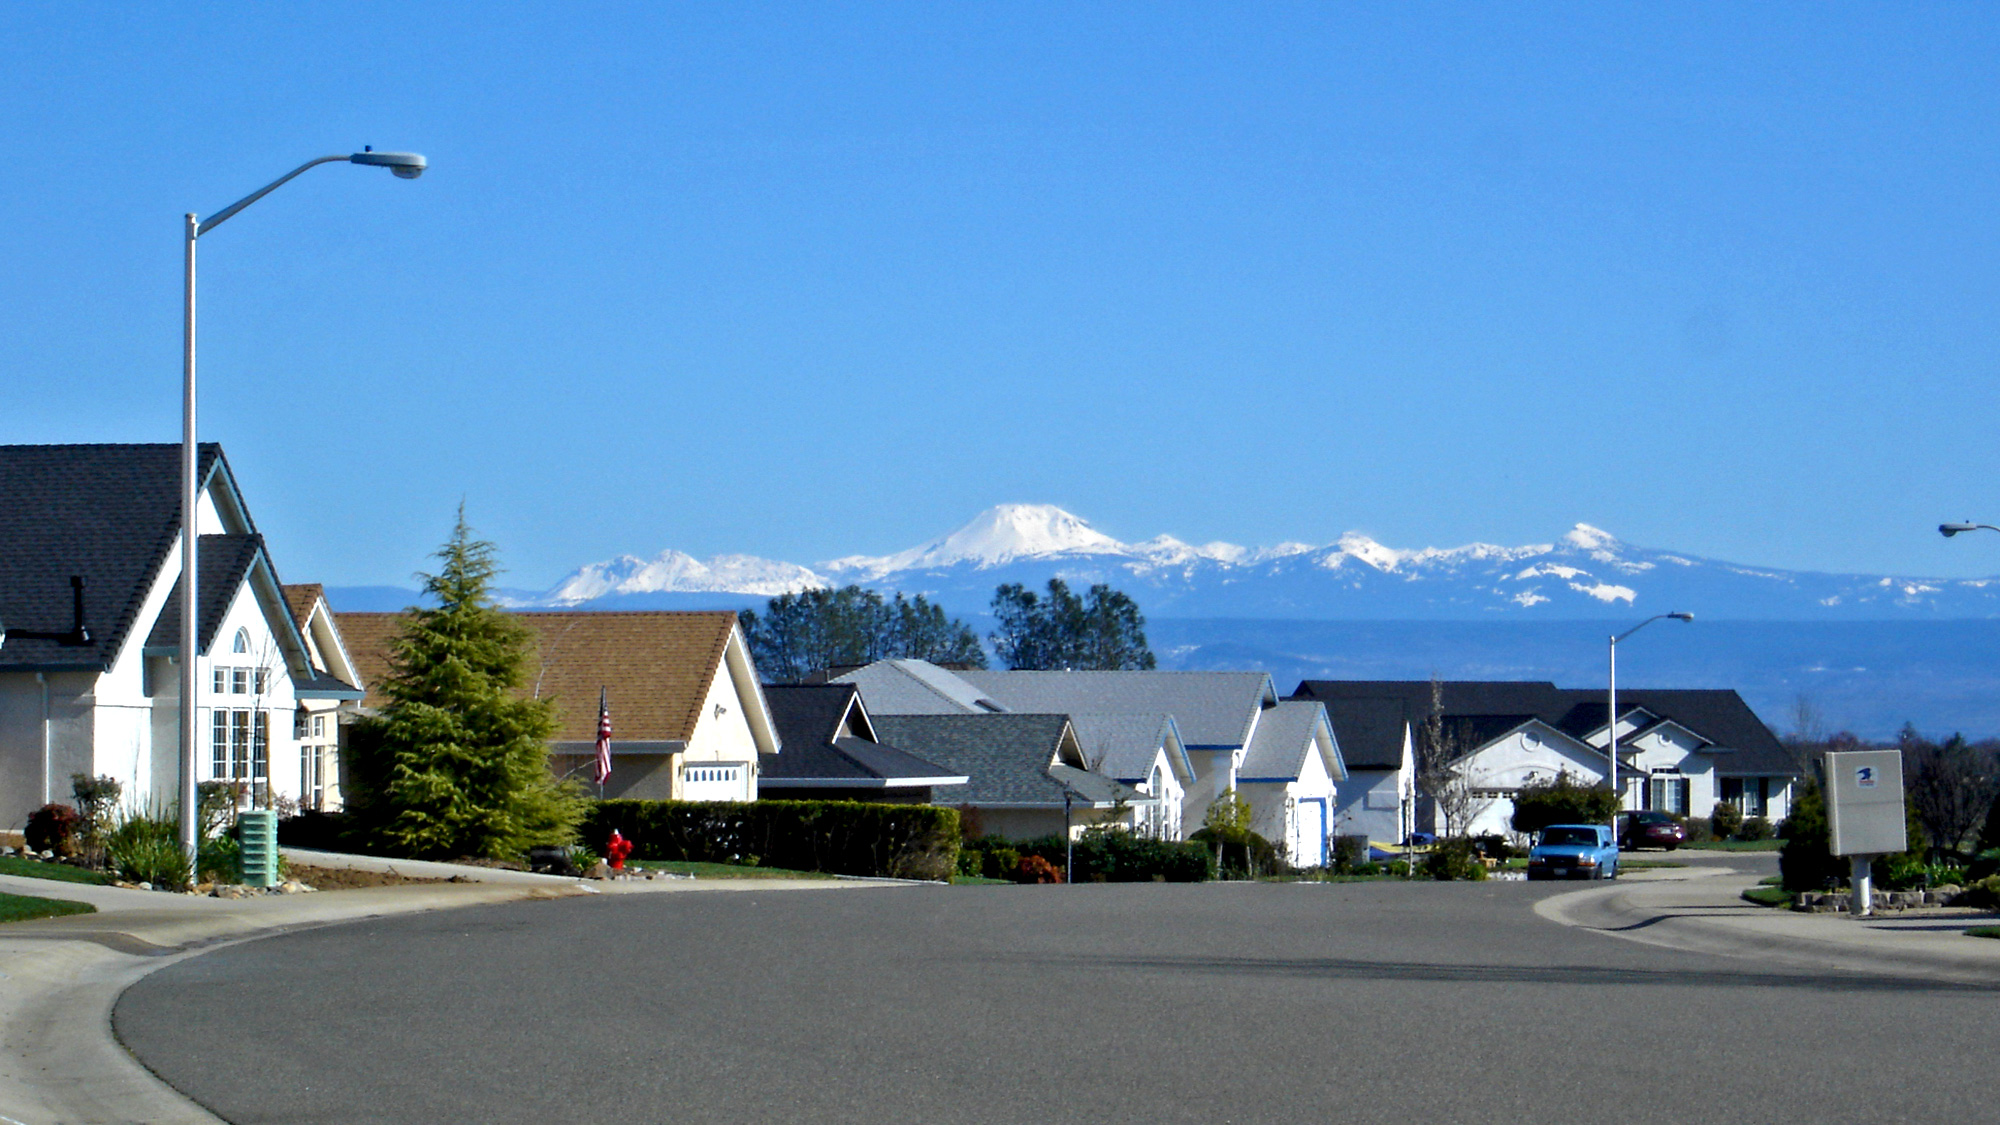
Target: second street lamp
x,y
1611,714
406,165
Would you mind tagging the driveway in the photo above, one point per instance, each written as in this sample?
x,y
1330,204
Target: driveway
x,y
1369,1002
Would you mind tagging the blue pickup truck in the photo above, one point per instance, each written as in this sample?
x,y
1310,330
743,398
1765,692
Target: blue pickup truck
x,y
1574,851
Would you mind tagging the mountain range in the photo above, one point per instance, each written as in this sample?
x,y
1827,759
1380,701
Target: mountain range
x,y
1869,651
1585,573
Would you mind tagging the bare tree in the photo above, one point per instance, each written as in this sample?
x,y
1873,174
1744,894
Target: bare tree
x,y
1952,785
1806,741
1441,777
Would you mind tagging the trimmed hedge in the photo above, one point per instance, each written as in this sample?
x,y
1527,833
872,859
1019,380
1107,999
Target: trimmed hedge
x,y
840,837
1115,857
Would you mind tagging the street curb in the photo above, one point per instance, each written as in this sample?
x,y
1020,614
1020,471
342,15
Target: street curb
x,y
1709,916
60,1059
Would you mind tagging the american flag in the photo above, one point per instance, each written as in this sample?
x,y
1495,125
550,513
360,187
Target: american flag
x,y
603,737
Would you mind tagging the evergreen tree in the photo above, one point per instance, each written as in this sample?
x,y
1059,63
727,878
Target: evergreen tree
x,y
1101,631
456,763
812,631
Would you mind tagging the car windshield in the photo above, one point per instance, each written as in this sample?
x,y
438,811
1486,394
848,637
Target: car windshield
x,y
1568,836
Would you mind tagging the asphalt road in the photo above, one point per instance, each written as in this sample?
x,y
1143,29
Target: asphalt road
x,y
1375,1002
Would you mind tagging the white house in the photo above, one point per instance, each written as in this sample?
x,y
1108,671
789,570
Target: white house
x,y
1147,753
1680,750
689,720
90,558
1289,776
1216,714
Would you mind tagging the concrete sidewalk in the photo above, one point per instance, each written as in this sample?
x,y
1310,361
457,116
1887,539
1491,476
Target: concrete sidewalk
x,y
59,977
1702,909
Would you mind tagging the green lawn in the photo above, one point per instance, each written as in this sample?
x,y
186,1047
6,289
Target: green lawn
x,y
1983,931
23,908
1735,845
720,870
1646,864
977,881
60,872
1768,896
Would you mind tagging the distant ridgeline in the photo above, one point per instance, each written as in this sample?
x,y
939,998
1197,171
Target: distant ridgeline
x,y
1872,651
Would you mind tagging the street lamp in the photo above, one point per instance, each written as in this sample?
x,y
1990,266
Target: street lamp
x,y
1611,714
1950,529
405,165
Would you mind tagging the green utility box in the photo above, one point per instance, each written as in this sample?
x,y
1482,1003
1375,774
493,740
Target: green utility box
x,y
257,832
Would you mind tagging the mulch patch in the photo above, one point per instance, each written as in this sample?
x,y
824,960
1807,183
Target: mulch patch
x,y
347,879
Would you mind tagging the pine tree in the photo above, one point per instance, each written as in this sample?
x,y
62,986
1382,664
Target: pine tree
x,y
456,763
815,630
1101,631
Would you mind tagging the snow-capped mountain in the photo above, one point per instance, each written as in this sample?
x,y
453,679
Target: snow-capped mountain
x,y
679,572
1585,573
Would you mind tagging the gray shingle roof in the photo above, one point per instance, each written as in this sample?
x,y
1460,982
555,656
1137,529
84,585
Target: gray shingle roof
x,y
915,687
1006,757
808,721
225,561
1125,746
1283,739
1211,708
110,513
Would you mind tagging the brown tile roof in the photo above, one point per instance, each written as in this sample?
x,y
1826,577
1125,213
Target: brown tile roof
x,y
656,667
300,599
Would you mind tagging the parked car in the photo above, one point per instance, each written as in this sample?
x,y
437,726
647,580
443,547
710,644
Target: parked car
x,y
1574,851
1650,830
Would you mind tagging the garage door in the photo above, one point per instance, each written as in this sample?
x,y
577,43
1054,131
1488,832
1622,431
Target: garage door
x,y
711,781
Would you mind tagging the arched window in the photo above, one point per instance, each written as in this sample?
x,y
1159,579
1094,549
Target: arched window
x,y
242,641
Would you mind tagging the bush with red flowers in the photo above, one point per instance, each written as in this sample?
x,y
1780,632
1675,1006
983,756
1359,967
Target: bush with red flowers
x,y
1035,869
52,828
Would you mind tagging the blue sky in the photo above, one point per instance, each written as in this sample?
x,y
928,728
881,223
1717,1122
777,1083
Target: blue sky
x,y
805,281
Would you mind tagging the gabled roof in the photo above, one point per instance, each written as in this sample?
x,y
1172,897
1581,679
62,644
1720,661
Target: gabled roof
x,y
1371,729
1285,736
1212,709
300,598
916,687
655,667
1125,746
109,513
224,562
811,719
1482,710
1005,757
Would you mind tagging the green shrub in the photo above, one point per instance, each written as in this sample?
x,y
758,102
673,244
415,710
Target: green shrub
x,y
841,837
1983,895
1000,863
1725,820
220,859
1698,829
1494,846
1456,858
1249,856
1562,801
1366,869
53,828
970,862
1118,856
1756,828
145,847
1349,852
96,806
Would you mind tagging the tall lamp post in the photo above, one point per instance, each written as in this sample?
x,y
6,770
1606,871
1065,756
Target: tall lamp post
x,y
1950,529
406,165
1611,713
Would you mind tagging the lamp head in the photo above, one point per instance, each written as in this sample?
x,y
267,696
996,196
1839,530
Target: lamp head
x,y
1681,616
405,165
1950,529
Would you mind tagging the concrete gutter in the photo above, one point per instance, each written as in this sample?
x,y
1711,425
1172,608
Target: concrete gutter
x,y
1702,910
61,1064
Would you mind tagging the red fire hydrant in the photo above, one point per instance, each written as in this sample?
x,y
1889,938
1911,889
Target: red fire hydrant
x,y
618,847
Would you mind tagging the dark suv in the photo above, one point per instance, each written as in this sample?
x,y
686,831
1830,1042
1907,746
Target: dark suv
x,y
1650,830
